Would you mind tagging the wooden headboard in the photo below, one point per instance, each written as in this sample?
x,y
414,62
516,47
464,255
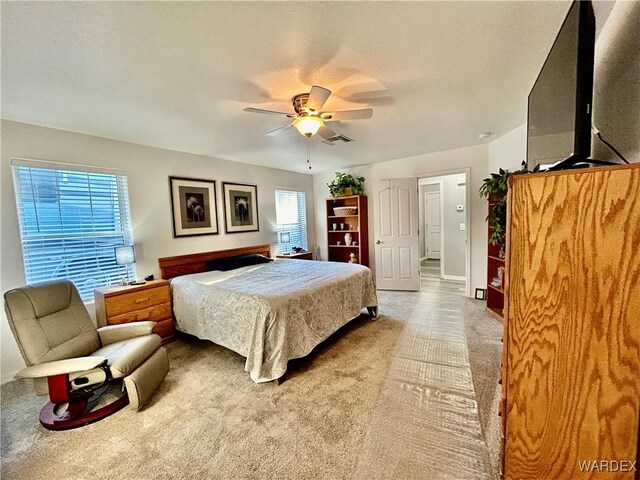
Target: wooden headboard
x,y
197,262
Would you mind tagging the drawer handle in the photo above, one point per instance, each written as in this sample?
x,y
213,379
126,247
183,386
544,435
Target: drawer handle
x,y
141,300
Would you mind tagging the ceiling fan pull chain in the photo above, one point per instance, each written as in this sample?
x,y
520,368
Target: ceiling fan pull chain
x,y
309,153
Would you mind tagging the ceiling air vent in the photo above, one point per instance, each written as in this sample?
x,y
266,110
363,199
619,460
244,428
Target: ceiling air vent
x,y
337,139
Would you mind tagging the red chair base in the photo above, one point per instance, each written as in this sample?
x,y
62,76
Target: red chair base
x,y
76,414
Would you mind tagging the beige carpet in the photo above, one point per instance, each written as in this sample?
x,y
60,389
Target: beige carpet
x,y
485,355
209,420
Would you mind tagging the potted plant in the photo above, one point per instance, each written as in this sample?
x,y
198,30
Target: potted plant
x,y
345,185
495,188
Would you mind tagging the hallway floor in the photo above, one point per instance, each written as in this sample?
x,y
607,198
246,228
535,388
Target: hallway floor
x,y
430,278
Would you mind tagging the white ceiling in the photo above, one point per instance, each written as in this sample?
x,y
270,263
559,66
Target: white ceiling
x,y
177,75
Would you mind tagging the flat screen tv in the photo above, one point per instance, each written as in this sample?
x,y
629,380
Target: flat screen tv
x,y
559,107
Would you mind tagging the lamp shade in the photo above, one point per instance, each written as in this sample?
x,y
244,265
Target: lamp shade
x,y
285,237
308,125
125,255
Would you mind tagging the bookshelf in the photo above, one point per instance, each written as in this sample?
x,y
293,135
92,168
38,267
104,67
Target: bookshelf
x,y
355,224
495,265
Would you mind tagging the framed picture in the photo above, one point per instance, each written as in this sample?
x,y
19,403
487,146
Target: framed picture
x,y
193,204
240,207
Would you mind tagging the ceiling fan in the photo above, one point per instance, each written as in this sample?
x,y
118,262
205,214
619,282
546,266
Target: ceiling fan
x,y
309,118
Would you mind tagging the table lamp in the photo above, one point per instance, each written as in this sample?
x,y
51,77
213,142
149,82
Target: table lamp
x,y
126,255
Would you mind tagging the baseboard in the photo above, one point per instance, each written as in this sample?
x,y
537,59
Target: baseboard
x,y
9,378
454,278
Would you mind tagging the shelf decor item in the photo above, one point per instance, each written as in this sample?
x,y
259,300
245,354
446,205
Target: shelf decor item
x,y
341,211
346,185
240,207
193,205
348,239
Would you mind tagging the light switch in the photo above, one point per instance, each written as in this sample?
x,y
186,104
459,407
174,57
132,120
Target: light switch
x,y
459,208
463,226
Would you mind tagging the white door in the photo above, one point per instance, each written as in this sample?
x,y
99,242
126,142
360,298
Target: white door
x,y
396,234
432,217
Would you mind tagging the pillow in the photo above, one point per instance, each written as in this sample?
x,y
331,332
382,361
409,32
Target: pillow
x,y
231,263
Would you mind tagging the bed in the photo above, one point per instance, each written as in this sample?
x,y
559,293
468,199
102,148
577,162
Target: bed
x,y
269,313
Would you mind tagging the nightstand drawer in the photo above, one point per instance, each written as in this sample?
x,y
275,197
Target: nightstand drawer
x,y
154,313
136,300
164,328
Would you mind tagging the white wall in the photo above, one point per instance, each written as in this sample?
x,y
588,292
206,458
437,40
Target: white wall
x,y
148,170
616,92
475,158
616,85
453,255
509,150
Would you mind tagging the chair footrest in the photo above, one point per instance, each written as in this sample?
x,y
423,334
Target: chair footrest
x,y
144,381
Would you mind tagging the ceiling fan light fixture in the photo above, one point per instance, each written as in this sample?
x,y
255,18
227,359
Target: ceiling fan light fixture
x,y
308,125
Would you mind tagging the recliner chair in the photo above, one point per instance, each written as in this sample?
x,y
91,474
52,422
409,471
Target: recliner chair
x,y
73,361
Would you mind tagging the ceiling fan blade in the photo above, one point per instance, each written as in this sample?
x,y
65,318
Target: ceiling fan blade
x,y
362,114
326,133
267,112
317,98
277,131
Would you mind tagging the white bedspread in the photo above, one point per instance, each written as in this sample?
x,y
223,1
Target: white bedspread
x,y
274,312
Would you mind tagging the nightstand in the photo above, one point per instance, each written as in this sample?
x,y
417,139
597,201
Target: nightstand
x,y
135,303
297,256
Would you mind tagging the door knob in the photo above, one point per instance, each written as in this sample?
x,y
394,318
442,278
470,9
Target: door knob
x,y
378,242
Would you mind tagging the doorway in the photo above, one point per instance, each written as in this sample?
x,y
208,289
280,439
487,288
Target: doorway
x,y
433,223
444,233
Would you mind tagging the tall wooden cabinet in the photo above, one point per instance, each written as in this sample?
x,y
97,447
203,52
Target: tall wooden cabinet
x,y
571,362
354,222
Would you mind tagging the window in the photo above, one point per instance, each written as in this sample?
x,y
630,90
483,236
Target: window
x,y
291,216
71,218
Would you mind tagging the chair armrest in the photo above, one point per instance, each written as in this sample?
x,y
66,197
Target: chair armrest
x,y
117,333
61,367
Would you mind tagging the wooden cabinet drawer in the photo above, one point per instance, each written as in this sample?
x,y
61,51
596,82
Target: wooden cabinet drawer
x,y
164,328
139,300
154,313
117,305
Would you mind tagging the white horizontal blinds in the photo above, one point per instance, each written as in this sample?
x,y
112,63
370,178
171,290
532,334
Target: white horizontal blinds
x,y
70,222
291,217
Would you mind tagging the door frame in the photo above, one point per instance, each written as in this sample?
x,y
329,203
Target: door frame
x,y
467,195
